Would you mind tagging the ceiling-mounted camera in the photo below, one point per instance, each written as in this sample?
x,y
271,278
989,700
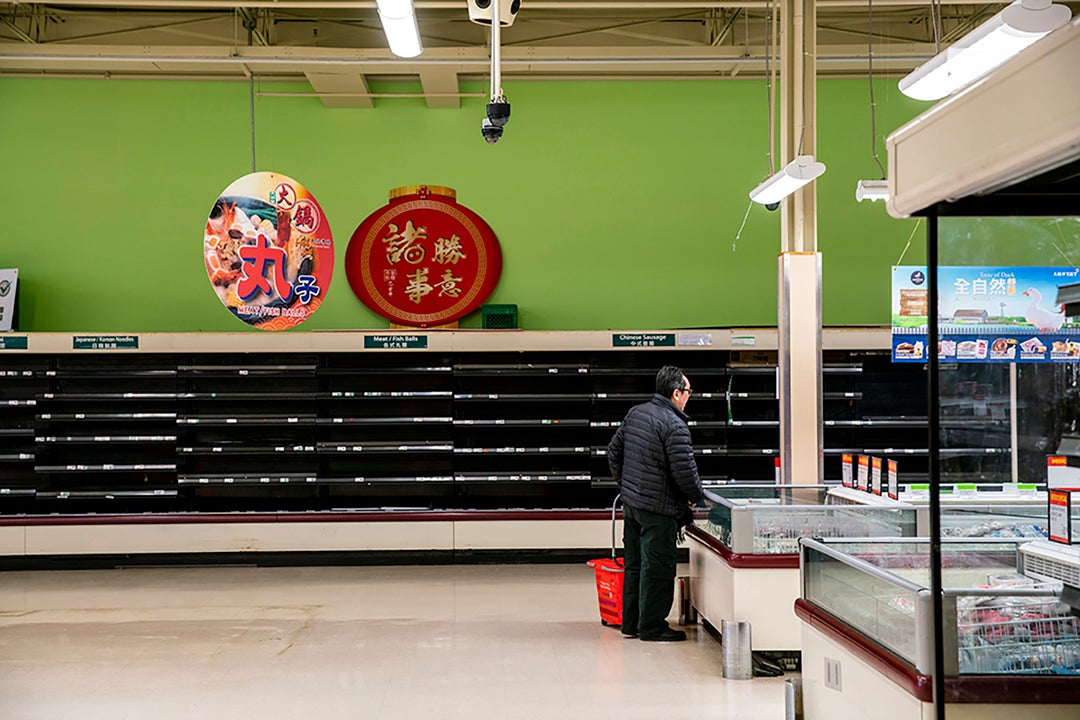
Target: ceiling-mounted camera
x,y
480,11
491,131
772,207
498,114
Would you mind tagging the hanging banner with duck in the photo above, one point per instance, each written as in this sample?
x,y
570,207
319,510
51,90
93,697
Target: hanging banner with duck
x,y
268,250
986,314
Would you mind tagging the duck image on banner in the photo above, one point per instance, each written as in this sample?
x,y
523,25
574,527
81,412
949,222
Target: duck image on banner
x,y
1044,320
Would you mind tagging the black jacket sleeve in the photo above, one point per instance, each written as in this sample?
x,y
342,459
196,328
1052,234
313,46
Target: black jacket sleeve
x,y
615,456
682,468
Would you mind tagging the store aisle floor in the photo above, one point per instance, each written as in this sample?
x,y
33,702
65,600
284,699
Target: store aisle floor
x,y
382,643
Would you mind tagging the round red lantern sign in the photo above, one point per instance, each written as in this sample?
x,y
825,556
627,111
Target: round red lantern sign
x,y
423,259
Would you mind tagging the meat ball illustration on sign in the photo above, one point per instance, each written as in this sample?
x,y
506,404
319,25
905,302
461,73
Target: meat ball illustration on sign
x,y
268,250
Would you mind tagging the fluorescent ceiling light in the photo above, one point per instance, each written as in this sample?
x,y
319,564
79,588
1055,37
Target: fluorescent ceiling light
x,y
872,190
984,48
399,23
795,174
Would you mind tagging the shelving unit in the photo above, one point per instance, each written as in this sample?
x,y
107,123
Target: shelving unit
x,y
385,430
313,423
105,432
21,381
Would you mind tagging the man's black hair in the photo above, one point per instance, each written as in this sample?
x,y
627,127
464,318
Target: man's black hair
x,y
669,379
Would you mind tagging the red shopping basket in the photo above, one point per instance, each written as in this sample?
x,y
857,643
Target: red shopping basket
x,y
609,580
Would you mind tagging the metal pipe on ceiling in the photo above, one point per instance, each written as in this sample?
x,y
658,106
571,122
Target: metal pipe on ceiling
x,y
414,62
459,4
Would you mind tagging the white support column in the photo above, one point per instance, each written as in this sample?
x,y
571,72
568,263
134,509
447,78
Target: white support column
x,y
799,368
799,382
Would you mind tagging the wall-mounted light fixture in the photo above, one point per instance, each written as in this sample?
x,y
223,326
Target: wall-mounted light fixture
x,y
793,176
984,48
399,23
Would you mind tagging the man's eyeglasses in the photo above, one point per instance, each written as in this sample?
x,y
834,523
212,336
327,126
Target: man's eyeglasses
x,y
686,390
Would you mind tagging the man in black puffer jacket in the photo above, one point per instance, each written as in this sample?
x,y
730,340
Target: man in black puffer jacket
x,y
652,459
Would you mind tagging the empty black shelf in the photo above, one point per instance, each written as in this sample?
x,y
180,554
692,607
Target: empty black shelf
x,y
584,397
268,396
106,467
535,422
877,422
17,492
526,369
107,374
104,494
436,420
382,394
243,370
247,420
579,450
524,477
634,397
246,449
360,480
109,396
108,416
248,479
95,439
384,447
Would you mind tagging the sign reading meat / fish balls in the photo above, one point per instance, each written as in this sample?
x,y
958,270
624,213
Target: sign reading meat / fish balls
x,y
423,259
268,250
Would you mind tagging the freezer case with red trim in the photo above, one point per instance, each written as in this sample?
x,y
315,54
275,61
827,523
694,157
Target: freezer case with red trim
x,y
744,561
1012,649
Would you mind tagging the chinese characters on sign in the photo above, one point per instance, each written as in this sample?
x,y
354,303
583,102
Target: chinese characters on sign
x,y
643,340
105,342
985,314
268,250
395,342
423,259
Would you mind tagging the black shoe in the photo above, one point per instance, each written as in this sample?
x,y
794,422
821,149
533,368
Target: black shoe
x,y
629,633
668,635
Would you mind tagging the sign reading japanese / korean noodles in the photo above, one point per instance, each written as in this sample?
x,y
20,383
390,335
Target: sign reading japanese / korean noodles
x,y
987,314
423,259
269,252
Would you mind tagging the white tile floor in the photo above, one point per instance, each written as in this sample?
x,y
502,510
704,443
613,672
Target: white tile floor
x,y
476,641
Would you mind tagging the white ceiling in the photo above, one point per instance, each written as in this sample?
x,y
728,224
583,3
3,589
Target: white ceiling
x,y
338,46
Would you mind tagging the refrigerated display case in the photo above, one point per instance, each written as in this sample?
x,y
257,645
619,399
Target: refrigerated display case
x,y
991,510
1011,646
744,561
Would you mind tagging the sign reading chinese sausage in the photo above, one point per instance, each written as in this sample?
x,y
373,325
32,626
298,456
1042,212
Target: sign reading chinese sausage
x,y
269,252
423,259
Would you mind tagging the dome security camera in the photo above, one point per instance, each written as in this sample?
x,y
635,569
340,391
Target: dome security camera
x,y
480,11
491,131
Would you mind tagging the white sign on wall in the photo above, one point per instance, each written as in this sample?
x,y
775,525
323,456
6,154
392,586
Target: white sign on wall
x,y
8,279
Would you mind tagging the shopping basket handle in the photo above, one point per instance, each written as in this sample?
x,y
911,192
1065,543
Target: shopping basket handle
x,y
614,504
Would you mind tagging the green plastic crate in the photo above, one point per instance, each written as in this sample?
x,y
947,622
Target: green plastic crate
x,y
499,317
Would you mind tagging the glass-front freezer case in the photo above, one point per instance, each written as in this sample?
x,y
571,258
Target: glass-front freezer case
x,y
744,561
866,612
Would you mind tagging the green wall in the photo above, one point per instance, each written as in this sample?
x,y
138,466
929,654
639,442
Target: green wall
x,y
617,204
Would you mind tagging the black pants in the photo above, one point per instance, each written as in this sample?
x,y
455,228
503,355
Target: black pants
x,y
649,543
